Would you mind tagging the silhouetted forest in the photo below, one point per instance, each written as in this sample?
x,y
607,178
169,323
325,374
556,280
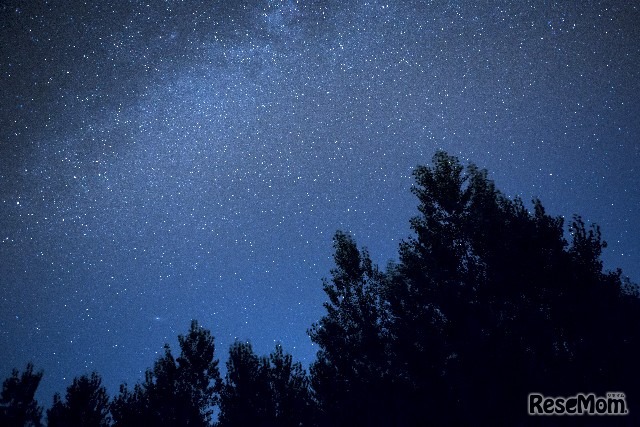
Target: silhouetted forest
x,y
487,303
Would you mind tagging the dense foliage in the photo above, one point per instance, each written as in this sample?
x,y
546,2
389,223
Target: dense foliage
x,y
267,391
487,303
17,404
86,404
176,392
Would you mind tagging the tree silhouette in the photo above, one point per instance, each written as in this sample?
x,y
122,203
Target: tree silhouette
x,y
198,373
513,296
17,404
289,388
176,392
86,404
131,408
267,391
349,375
244,396
487,303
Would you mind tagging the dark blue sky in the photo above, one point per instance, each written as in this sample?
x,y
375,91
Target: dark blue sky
x,y
175,160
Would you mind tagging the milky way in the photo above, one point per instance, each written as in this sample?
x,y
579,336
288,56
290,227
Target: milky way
x,y
175,160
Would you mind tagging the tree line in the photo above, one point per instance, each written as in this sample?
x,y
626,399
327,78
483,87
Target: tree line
x,y
487,303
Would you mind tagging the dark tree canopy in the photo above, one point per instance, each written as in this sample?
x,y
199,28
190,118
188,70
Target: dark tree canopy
x,y
198,373
289,390
244,396
176,392
267,391
86,404
487,303
349,377
18,406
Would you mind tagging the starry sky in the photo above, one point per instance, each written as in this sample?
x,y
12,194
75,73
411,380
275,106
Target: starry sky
x,y
168,160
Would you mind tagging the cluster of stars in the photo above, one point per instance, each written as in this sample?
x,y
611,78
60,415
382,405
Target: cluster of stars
x,y
162,162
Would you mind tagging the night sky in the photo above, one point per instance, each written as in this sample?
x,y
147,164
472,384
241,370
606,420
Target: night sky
x,y
172,160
